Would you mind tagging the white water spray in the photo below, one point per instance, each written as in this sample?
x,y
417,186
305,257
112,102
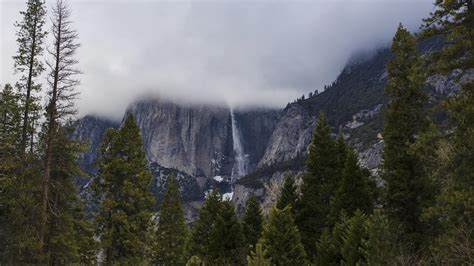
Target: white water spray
x,y
240,164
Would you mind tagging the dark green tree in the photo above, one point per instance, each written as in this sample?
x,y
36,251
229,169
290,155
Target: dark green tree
x,y
170,238
69,236
18,183
252,222
281,239
30,37
354,192
318,187
259,257
406,183
199,242
122,188
226,238
454,210
288,194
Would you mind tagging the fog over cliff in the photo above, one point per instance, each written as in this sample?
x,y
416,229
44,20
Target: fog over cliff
x,y
241,53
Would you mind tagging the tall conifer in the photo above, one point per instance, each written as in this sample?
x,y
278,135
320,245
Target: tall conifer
x,y
406,187
318,187
199,243
171,233
226,239
288,194
281,239
28,62
122,187
252,222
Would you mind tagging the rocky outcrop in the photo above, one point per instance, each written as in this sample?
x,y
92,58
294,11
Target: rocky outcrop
x,y
291,136
198,140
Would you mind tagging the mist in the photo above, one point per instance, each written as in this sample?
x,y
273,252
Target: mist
x,y
237,53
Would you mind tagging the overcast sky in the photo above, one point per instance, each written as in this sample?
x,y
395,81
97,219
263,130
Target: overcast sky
x,y
246,53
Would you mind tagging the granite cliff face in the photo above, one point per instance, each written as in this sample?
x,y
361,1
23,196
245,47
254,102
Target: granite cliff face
x,y
199,140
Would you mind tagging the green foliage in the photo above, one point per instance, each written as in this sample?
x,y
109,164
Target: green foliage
x,y
171,233
319,184
453,210
288,194
122,187
343,244
354,192
199,243
352,239
252,222
259,257
381,243
28,62
194,261
281,239
226,238
406,186
70,236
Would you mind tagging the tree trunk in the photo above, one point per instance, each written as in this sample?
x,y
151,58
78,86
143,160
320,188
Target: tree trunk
x,y
24,134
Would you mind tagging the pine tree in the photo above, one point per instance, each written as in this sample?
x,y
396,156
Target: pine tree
x,y
62,92
259,257
354,191
199,243
281,239
252,222
454,210
226,238
342,151
27,61
353,238
172,231
288,194
69,236
318,187
122,188
406,186
18,227
381,243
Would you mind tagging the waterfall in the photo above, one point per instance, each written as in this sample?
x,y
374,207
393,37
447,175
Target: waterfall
x,y
240,164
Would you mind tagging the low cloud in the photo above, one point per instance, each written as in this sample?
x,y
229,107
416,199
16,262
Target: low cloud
x,y
245,53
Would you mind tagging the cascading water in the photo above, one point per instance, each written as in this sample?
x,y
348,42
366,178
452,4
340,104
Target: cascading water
x,y
240,164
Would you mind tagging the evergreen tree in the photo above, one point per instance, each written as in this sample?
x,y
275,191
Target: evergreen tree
x,y
226,238
252,222
122,187
288,194
199,243
381,243
30,37
281,239
62,93
352,240
259,257
342,151
354,190
69,236
406,185
172,231
18,193
454,210
318,187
